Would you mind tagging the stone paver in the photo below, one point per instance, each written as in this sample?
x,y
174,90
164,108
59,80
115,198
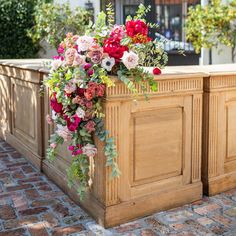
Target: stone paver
x,y
30,204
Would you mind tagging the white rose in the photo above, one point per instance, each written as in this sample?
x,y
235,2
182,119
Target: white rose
x,y
63,132
70,88
130,59
80,112
84,43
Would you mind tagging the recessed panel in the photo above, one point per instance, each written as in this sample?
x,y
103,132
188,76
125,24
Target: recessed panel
x,y
158,140
231,130
24,114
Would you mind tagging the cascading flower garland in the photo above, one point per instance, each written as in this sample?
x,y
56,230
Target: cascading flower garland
x,y
77,82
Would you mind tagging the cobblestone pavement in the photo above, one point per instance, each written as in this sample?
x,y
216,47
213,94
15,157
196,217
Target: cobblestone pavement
x,y
30,204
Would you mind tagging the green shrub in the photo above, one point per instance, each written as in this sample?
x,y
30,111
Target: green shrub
x,y
53,21
16,17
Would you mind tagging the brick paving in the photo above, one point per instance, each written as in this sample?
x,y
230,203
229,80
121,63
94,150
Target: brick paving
x,y
30,204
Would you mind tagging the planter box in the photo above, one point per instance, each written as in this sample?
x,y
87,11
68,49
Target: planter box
x,y
21,106
219,133
159,146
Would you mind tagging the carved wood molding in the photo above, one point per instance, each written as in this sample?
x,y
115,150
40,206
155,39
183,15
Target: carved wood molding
x,y
220,82
164,87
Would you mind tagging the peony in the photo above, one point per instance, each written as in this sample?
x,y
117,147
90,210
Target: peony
x,y
80,112
114,49
156,71
70,56
70,88
108,63
130,60
134,27
55,105
84,43
63,132
117,32
89,150
56,64
73,122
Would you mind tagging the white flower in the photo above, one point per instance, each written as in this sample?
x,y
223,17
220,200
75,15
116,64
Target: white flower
x,y
80,112
63,132
130,59
89,150
56,64
84,43
70,88
108,63
54,115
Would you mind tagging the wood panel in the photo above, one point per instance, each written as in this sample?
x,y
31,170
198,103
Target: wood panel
x,y
219,156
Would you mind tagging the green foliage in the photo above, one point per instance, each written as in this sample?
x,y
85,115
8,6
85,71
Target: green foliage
x,y
16,17
211,25
53,21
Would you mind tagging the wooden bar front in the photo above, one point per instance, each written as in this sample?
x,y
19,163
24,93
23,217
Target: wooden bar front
x,y
219,129
159,146
159,142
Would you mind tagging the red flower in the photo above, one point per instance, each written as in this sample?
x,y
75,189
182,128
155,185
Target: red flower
x,y
114,49
134,27
57,107
80,92
156,71
73,122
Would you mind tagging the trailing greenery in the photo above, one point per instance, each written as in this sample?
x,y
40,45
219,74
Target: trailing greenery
x,y
211,25
53,21
16,17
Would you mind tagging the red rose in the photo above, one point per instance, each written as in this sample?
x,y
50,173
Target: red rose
x,y
156,71
57,107
113,48
73,123
80,92
134,27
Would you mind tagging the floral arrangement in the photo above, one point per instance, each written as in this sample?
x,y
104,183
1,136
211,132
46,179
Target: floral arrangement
x,y
78,79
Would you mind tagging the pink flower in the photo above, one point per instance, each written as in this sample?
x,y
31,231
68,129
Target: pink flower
x,y
56,63
95,53
73,122
53,145
77,152
60,49
71,148
70,55
87,66
118,32
84,43
63,132
49,119
79,60
89,150
90,72
90,126
70,88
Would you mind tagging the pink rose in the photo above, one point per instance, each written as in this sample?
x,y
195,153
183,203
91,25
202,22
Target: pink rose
x,y
49,119
70,55
90,126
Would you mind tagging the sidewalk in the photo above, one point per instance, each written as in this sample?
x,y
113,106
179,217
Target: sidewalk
x,y
30,204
